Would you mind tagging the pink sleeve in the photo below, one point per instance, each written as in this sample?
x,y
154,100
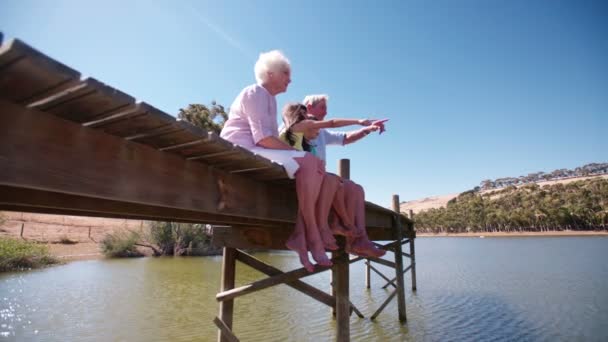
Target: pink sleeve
x,y
256,106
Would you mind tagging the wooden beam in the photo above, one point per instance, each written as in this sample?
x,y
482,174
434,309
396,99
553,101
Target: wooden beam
x,y
269,282
227,283
227,334
399,262
301,286
382,262
46,202
380,273
39,151
413,262
368,278
340,277
392,295
392,281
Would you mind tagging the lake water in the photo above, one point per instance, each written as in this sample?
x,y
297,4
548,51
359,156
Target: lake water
x,y
469,289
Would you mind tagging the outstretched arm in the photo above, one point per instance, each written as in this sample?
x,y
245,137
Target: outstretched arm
x,y
333,123
353,136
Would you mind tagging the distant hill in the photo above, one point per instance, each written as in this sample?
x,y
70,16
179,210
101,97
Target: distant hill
x,y
435,202
566,205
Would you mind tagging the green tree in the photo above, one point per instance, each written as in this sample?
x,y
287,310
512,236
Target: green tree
x,y
208,118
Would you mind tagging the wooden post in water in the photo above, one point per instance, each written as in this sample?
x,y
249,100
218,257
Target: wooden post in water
x,y
227,283
412,254
399,261
368,275
340,277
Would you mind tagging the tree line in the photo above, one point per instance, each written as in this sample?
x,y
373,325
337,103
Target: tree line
x,y
579,205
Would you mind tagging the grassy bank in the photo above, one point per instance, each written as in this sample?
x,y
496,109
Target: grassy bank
x,y
18,255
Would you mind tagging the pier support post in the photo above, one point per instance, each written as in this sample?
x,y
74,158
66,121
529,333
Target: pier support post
x,y
412,252
413,261
340,277
399,261
368,275
227,283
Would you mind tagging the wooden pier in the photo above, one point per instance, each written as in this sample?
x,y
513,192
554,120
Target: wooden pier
x,y
79,147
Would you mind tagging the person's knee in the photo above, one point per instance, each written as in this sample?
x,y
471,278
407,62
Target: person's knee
x,y
354,189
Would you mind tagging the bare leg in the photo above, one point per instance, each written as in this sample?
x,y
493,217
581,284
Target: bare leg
x,y
326,195
308,183
346,214
297,243
360,245
336,226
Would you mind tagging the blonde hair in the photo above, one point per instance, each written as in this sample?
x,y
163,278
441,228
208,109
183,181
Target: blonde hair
x,y
268,62
314,99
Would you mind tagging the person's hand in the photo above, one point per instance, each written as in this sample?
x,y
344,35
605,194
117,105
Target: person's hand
x,y
380,125
365,122
370,128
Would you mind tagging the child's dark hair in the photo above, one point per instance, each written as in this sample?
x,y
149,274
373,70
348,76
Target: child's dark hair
x,y
294,113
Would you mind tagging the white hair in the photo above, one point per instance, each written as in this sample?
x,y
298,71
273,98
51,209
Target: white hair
x,y
314,99
267,62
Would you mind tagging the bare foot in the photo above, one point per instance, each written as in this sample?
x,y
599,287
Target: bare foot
x,y
365,249
318,253
295,243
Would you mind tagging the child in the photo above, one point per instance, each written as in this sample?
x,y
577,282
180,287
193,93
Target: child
x,y
298,131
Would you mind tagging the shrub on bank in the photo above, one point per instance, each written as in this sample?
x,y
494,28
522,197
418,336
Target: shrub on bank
x,y
180,238
120,245
19,254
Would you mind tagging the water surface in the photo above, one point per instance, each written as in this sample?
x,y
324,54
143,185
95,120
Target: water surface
x,y
469,289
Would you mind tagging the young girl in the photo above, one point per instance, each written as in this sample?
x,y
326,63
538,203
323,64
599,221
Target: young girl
x,y
298,131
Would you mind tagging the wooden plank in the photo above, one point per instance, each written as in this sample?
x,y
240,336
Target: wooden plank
x,y
47,202
40,151
377,271
382,262
392,295
87,101
227,283
226,333
26,74
392,281
269,282
299,285
141,119
249,237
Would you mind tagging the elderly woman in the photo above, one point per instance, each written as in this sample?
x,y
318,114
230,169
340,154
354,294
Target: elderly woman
x,y
252,124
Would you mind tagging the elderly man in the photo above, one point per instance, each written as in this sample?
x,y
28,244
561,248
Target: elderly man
x,y
349,195
317,109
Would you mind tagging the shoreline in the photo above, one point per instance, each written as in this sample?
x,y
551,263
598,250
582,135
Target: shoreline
x,y
518,234
89,251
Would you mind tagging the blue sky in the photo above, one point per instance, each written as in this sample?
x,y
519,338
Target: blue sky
x,y
473,89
